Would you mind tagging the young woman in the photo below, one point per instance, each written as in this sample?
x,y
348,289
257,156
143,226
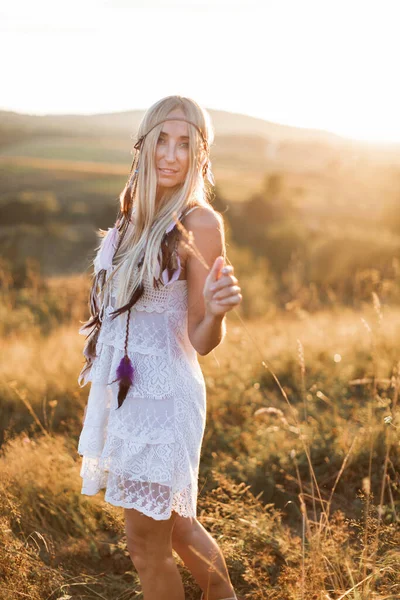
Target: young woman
x,y
154,306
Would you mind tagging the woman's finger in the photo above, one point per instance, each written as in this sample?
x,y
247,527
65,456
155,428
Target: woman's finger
x,y
236,299
227,269
227,291
223,281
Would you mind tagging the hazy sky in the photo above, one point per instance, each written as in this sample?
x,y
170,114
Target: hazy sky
x,y
326,64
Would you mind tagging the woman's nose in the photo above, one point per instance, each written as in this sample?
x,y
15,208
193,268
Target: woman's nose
x,y
170,152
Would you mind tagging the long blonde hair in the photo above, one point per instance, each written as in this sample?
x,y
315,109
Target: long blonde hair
x,y
143,238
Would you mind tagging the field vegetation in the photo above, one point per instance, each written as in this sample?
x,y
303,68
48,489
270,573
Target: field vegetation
x,y
300,466
300,470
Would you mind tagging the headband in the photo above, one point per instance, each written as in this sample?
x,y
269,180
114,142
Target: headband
x,y
140,140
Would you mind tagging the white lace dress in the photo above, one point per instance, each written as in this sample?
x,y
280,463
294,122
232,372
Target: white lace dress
x,y
146,453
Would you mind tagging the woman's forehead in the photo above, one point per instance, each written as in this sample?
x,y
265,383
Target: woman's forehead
x,y
176,128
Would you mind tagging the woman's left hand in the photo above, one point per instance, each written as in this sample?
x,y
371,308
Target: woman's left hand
x,y
221,290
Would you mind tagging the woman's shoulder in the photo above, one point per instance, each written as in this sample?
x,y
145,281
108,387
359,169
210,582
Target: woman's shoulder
x,y
200,216
207,227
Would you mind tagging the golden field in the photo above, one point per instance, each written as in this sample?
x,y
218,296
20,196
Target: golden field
x,y
300,464
300,470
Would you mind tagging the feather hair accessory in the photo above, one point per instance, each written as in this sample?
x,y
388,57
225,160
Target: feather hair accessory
x,y
125,369
105,255
172,271
166,278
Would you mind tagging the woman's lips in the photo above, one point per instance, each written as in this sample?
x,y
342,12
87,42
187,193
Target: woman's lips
x,y
167,172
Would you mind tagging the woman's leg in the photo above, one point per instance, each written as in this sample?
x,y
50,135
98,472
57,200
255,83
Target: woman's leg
x,y
150,547
189,533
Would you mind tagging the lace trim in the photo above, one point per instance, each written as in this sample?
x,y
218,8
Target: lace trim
x,y
152,499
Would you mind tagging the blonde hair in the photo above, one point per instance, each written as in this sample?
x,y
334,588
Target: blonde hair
x,y
150,220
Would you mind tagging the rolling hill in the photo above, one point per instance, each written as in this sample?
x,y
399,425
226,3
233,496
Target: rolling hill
x,y
60,176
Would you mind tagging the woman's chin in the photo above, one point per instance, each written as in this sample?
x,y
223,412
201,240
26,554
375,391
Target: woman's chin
x,y
162,187
168,183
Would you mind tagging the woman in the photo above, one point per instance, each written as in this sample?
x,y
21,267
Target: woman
x,y
156,300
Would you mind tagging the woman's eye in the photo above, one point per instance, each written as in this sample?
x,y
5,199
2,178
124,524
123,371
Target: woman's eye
x,y
161,140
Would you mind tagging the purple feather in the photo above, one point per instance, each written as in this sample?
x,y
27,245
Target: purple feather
x,y
125,378
125,370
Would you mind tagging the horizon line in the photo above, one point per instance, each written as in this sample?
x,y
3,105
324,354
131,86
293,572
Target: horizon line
x,y
344,137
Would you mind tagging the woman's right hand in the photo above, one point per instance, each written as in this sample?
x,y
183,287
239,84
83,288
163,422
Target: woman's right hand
x,y
221,290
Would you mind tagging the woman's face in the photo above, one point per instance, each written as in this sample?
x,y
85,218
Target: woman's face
x,y
172,152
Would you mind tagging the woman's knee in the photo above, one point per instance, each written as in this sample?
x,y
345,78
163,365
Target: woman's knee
x,y
148,541
150,557
183,531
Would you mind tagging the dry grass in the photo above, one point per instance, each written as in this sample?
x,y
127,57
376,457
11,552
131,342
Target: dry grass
x,y
300,465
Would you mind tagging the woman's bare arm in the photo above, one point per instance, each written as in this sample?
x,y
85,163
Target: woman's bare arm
x,y
207,306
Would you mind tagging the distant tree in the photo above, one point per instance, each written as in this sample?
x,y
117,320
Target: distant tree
x,y
269,224
268,221
34,208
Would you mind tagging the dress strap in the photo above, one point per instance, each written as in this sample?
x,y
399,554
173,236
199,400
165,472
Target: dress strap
x,y
190,210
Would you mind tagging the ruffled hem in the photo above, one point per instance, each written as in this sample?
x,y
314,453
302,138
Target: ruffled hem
x,y
148,513
152,499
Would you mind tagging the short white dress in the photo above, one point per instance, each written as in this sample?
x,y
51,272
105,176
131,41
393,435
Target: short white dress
x,y
146,453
